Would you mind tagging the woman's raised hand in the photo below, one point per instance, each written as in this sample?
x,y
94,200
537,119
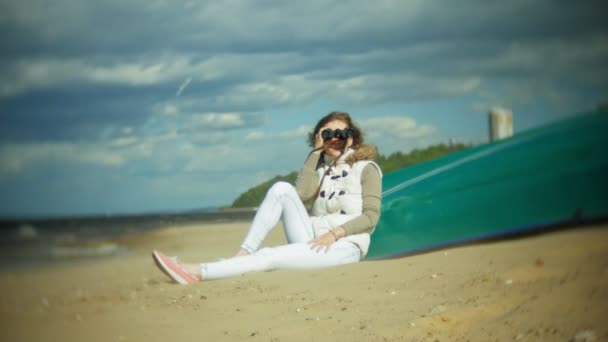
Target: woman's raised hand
x,y
318,139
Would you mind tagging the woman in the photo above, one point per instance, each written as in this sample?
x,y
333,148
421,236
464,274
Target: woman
x,y
346,186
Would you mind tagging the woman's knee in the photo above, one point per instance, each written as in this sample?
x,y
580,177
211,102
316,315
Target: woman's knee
x,y
281,188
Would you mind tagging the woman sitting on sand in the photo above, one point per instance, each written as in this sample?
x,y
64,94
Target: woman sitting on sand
x,y
346,186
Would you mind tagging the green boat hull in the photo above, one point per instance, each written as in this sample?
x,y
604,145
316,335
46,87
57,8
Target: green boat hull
x,y
541,178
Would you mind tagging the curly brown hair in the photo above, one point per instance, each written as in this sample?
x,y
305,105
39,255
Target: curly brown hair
x,y
344,117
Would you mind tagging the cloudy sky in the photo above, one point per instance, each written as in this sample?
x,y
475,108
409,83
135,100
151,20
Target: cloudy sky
x,y
135,106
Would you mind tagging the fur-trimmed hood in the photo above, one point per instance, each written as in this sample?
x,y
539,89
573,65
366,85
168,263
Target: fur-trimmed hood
x,y
364,152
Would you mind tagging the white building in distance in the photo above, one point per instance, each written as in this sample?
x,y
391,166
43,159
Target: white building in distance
x,y
500,123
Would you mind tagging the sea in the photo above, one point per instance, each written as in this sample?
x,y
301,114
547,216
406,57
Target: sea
x,y
45,241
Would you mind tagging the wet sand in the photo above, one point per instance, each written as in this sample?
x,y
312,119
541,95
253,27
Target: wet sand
x,y
549,287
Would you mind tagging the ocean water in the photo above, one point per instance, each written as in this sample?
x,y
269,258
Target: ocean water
x,y
38,242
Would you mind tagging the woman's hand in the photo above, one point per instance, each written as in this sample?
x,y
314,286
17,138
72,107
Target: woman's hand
x,y
322,242
326,240
319,140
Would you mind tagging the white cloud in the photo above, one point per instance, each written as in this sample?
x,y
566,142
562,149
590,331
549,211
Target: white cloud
x,y
404,87
219,120
125,141
393,133
402,127
274,91
169,110
559,100
129,73
36,73
209,151
15,158
402,73
297,40
113,153
256,136
301,131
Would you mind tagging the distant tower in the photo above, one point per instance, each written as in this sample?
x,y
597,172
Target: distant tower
x,y
500,123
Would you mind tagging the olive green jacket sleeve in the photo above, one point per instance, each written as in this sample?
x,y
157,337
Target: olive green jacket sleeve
x,y
371,183
307,182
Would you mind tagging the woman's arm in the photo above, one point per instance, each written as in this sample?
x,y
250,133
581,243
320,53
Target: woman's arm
x,y
371,184
308,179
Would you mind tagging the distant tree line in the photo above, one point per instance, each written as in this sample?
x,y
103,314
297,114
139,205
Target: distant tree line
x,y
395,161
399,160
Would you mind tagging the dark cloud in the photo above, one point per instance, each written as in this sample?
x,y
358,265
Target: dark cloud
x,y
140,27
84,112
248,43
89,103
73,113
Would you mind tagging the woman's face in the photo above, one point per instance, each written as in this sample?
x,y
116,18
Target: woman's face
x,y
335,146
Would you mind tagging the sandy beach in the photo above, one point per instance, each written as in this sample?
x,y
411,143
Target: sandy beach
x,y
550,287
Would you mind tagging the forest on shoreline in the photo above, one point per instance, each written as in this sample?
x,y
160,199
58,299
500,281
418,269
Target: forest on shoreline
x,y
395,161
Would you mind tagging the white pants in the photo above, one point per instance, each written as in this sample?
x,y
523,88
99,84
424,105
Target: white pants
x,y
282,201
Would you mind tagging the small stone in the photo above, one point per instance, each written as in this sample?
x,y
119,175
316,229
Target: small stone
x,y
584,336
412,324
438,309
509,282
298,310
393,293
153,282
434,276
27,232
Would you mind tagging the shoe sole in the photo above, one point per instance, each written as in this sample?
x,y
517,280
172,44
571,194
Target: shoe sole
x,y
167,270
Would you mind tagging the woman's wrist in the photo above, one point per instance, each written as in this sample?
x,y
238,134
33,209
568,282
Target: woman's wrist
x,y
342,231
338,232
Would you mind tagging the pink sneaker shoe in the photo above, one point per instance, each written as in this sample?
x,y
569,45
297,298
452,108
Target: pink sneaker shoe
x,y
171,268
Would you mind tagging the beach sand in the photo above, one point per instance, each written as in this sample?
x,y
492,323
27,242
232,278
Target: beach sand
x,y
548,287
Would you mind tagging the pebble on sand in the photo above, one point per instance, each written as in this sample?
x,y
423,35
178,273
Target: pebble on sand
x,y
27,232
584,336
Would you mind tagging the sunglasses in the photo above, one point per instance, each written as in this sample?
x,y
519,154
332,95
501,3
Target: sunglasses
x,y
338,133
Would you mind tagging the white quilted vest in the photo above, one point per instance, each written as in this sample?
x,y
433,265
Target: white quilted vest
x,y
340,199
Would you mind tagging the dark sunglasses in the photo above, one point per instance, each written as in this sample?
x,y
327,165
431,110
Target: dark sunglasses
x,y
338,133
